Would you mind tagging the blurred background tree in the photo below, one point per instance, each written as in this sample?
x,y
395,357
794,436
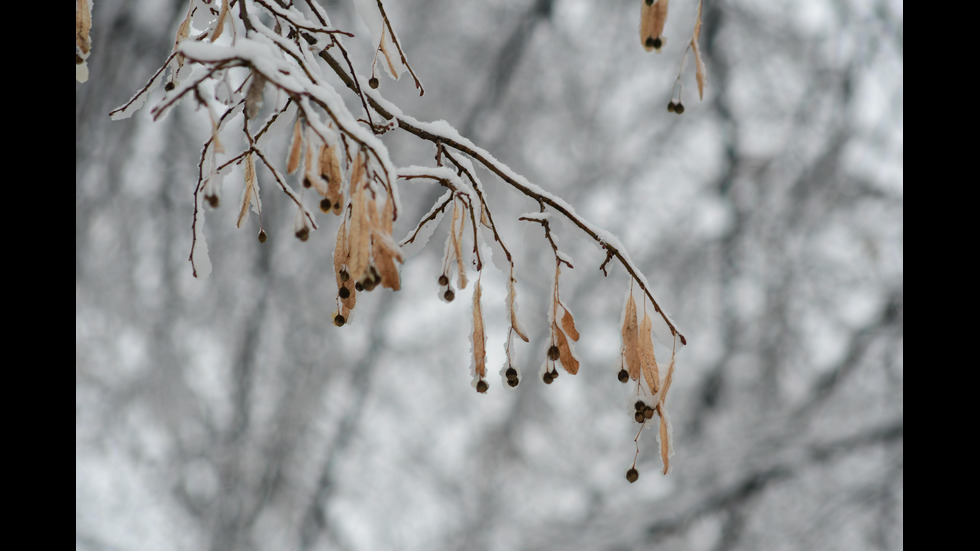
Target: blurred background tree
x,y
231,414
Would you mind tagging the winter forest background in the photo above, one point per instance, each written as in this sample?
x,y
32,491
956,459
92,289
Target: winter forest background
x,y
230,413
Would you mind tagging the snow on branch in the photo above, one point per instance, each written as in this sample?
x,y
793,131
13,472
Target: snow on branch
x,y
230,57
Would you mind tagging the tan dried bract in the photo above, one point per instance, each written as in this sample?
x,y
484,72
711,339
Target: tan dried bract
x,y
653,17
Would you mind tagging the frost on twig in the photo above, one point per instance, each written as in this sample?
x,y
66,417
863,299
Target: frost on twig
x,y
265,72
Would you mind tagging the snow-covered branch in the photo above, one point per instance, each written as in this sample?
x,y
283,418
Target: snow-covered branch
x,y
231,56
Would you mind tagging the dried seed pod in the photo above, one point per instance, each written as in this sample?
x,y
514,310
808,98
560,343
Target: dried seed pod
x,y
678,108
339,320
343,292
344,276
374,83
639,417
639,405
671,107
443,280
253,97
648,412
358,287
482,386
325,205
553,353
632,475
624,376
449,295
511,373
262,236
547,377
213,201
513,382
303,234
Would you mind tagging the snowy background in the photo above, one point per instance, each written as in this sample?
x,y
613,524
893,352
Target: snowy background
x,y
231,414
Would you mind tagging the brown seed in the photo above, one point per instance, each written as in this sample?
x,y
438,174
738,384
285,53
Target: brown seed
x,y
344,292
339,320
482,386
169,86
213,201
443,280
639,417
553,353
624,376
648,412
547,378
307,183
671,106
449,295
639,405
303,234
632,475
325,205
511,373
513,382
344,276
679,108
373,82
262,236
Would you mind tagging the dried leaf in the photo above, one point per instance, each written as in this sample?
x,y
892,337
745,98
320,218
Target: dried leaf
x,y
666,449
253,98
295,148
668,378
216,139
83,28
700,73
457,241
182,32
251,189
631,345
568,324
312,174
340,252
220,25
648,360
653,16
360,228
330,171
387,256
388,216
697,24
479,336
512,306
565,354
393,70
